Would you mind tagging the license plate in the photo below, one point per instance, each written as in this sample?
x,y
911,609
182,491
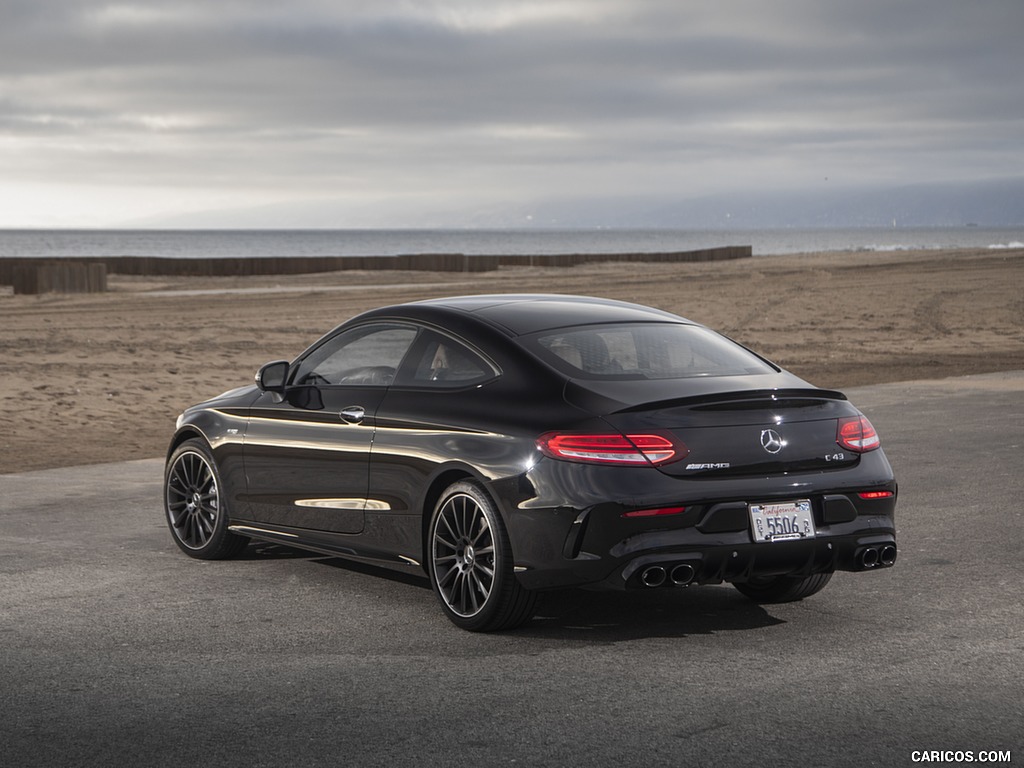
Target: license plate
x,y
783,521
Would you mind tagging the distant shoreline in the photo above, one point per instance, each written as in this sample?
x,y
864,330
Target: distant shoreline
x,y
384,244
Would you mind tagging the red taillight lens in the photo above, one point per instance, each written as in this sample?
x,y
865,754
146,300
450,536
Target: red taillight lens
x,y
655,512
857,434
626,450
870,495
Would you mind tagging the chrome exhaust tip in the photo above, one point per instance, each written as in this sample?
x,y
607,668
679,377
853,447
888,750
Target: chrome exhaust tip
x,y
887,555
653,577
682,575
869,557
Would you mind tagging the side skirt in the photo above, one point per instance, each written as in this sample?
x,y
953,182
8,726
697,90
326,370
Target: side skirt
x,y
331,544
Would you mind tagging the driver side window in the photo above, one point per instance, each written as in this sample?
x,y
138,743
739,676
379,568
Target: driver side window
x,y
364,356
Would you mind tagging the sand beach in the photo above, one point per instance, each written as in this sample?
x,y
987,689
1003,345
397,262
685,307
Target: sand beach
x,y
93,378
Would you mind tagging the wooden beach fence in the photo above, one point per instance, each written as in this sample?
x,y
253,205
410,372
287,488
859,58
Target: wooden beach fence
x,y
87,275
58,277
724,253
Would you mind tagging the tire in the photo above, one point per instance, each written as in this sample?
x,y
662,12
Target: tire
x,y
470,563
783,589
194,506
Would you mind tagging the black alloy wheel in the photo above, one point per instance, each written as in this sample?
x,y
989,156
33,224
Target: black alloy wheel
x,y
470,563
195,506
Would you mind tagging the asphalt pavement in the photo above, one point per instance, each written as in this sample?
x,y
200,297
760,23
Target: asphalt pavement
x,y
117,650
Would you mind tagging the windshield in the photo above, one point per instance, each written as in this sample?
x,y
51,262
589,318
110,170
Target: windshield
x,y
644,351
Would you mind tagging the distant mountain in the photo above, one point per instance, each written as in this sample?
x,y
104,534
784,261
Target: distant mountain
x,y
997,203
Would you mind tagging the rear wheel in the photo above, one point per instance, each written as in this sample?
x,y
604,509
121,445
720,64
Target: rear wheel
x,y
470,563
783,589
195,505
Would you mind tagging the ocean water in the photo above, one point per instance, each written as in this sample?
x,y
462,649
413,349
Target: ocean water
x,y
378,242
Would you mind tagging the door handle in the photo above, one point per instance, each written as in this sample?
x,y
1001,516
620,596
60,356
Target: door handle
x,y
353,414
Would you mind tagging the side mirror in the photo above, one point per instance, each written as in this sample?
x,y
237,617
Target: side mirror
x,y
272,377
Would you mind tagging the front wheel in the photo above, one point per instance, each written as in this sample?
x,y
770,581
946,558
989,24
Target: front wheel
x,y
783,589
195,505
470,563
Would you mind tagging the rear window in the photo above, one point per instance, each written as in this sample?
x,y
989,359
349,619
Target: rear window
x,y
644,351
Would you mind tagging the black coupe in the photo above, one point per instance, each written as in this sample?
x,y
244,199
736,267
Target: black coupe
x,y
510,444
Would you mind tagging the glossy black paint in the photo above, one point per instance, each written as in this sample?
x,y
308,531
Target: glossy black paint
x,y
356,470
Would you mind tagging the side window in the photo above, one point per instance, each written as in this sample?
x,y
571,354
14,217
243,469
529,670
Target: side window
x,y
445,363
364,356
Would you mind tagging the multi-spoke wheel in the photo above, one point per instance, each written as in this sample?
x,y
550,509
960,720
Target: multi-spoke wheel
x,y
470,563
195,505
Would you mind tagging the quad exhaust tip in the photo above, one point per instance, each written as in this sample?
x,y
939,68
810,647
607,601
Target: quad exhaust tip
x,y
654,576
882,556
682,575
658,575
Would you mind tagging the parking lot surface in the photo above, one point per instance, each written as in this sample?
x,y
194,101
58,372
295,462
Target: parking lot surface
x,y
115,649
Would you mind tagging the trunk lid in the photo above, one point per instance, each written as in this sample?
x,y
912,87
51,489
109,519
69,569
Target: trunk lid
x,y
745,432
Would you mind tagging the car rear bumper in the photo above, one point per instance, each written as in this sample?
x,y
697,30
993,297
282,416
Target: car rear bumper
x,y
742,562
687,557
710,541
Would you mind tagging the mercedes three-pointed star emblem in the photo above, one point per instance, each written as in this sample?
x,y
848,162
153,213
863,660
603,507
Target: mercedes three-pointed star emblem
x,y
771,440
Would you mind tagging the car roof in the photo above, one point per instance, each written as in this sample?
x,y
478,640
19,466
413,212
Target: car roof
x,y
523,314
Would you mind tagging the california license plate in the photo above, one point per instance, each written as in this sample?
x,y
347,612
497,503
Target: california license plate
x,y
782,521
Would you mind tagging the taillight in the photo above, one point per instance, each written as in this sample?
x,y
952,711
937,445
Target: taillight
x,y
857,434
625,450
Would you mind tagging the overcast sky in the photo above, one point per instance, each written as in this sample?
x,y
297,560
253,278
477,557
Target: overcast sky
x,y
368,112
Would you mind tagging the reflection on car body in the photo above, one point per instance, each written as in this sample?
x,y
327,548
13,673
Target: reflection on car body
x,y
511,444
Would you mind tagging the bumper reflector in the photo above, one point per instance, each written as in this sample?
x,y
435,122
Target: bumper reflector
x,y
876,495
655,512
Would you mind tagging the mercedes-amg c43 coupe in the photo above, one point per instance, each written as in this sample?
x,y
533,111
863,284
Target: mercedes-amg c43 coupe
x,y
511,444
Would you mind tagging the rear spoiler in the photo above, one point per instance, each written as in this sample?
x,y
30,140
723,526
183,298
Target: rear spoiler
x,y
743,399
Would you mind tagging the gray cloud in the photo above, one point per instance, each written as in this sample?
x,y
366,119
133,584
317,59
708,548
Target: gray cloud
x,y
460,103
